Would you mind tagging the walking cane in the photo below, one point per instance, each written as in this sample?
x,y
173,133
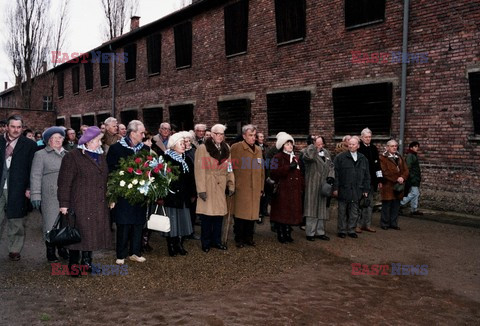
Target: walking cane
x,y
226,226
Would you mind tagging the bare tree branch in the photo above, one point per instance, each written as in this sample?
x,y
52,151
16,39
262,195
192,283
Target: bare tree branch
x,y
117,15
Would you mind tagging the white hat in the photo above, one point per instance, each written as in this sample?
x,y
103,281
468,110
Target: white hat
x,y
282,138
174,139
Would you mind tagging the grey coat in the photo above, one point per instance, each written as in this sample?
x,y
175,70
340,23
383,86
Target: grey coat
x,y
316,173
351,178
43,183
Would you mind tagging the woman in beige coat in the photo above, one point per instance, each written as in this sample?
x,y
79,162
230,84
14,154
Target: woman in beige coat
x,y
214,179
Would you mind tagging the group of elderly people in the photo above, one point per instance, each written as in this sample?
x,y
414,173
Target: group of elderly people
x,y
214,179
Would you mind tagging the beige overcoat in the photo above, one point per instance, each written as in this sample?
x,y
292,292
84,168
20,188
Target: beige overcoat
x,y
213,179
249,178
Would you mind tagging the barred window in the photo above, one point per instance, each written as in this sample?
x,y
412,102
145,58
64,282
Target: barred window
x,y
183,45
131,61
234,114
359,13
154,53
60,83
236,27
182,116
474,80
104,73
290,17
152,118
75,79
289,112
88,68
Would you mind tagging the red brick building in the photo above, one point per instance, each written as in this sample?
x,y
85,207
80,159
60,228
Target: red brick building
x,y
305,67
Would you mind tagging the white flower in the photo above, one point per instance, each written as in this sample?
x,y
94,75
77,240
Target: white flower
x,y
122,183
142,182
122,173
151,179
135,181
129,186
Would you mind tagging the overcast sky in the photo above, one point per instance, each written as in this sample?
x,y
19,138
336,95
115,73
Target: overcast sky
x,y
85,28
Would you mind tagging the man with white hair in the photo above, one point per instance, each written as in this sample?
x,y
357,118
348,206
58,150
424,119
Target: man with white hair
x,y
111,135
249,179
199,130
161,139
352,181
376,178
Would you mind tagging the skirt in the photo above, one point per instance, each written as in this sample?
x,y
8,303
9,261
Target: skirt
x,y
180,222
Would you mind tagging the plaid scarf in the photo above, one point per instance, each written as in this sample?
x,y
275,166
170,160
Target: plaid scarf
x,y
126,142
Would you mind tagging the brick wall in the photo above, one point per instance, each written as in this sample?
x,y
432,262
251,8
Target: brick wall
x,y
438,109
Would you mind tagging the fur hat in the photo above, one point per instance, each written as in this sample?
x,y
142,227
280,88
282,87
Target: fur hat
x,y
282,138
50,131
174,139
89,134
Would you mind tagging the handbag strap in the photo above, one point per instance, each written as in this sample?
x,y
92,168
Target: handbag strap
x,y
155,212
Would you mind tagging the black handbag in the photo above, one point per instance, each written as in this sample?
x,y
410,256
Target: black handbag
x,y
66,235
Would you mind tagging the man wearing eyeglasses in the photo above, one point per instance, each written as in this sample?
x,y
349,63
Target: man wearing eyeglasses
x,y
161,139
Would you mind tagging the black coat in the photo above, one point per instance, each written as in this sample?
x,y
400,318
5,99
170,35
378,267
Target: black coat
x,y
124,212
371,153
19,174
183,188
351,178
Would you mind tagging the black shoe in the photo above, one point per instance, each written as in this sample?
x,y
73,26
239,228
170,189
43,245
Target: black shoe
x,y
260,220
239,244
310,238
395,228
63,252
87,260
342,235
172,252
384,227
179,246
250,243
51,256
205,249
322,237
353,235
220,246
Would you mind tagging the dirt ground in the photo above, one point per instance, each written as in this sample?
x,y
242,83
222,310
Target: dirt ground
x,y
303,283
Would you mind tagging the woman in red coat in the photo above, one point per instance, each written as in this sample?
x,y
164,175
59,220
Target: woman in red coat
x,y
287,202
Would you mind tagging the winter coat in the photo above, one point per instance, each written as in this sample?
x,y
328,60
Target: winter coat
x,y
414,173
391,172
183,188
371,153
287,206
43,183
249,180
82,186
124,212
351,178
18,175
213,178
316,173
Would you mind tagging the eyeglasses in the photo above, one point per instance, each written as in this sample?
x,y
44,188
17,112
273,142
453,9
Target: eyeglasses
x,y
218,133
163,128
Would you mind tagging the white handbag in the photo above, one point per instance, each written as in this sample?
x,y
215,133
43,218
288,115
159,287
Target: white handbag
x,y
159,222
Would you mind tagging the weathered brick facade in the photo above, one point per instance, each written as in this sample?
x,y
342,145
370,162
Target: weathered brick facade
x,y
438,106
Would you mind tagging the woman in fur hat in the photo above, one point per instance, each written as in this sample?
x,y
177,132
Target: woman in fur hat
x,y
287,203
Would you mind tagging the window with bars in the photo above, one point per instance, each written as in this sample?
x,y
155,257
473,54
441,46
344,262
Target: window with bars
x,y
474,80
236,27
358,107
289,112
47,103
152,118
183,45
60,84
127,116
234,114
131,62
182,116
104,73
88,120
359,13
88,68
154,53
290,18
101,117
75,79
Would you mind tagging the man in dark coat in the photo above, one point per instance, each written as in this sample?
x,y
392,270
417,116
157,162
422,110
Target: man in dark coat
x,y
128,218
376,177
414,178
352,181
16,156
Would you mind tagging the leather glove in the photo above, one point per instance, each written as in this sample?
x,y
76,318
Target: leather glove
x,y
230,193
36,204
203,196
330,180
293,165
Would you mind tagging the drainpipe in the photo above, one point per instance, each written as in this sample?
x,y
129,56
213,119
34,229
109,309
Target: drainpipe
x,y
112,59
406,6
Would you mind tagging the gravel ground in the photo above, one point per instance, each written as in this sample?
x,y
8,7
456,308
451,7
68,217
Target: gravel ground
x,y
303,283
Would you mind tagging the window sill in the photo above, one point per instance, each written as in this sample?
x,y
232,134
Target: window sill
x,y
154,74
184,67
296,40
89,90
236,54
373,22
75,93
475,138
104,86
130,80
60,97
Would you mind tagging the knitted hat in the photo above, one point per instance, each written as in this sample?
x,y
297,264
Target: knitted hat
x,y
50,131
89,134
174,139
282,138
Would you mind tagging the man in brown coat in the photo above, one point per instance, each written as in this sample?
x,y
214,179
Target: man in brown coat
x,y
249,173
111,135
395,173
